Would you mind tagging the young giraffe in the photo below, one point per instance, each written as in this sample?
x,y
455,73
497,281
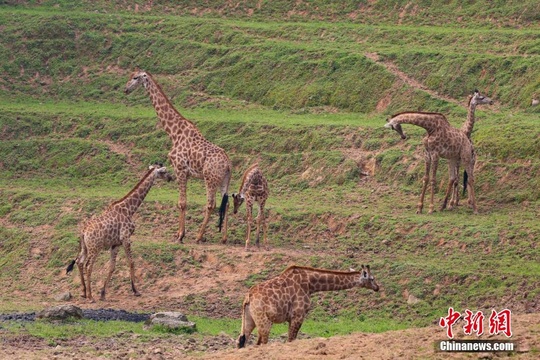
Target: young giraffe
x,y
474,100
287,298
254,188
111,230
442,140
191,156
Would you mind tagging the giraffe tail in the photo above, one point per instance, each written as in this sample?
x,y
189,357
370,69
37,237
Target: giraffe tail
x,y
223,210
465,179
242,337
70,267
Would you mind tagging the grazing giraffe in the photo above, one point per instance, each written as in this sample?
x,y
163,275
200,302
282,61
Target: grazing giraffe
x,y
254,188
111,230
286,298
474,100
191,156
442,140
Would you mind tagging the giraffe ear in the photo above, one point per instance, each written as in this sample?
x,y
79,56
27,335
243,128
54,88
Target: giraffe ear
x,y
151,167
352,270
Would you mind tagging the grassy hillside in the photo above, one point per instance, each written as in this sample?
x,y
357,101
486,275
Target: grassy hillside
x,y
304,90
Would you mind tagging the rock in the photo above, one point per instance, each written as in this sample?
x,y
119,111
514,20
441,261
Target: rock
x,y
171,320
63,296
412,300
60,312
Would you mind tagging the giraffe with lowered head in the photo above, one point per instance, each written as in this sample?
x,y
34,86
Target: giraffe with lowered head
x,y
254,188
442,141
191,156
111,230
286,298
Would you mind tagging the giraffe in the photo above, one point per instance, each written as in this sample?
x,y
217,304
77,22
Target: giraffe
x,y
191,155
111,230
254,188
442,140
474,100
287,298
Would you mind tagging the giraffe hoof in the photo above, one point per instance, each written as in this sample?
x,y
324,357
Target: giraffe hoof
x,y
137,294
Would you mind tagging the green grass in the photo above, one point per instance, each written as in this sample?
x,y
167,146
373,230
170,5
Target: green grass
x,y
300,98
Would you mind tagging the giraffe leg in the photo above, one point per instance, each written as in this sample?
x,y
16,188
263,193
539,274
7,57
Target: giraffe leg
x,y
127,249
433,181
81,261
249,218
452,182
294,327
112,265
260,218
80,265
454,201
88,270
264,332
182,205
210,206
265,230
470,188
425,181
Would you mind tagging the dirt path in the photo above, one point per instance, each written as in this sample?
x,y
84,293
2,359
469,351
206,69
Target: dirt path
x,y
391,67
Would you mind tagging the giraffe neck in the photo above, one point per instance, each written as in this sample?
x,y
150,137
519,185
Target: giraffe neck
x,y
432,122
328,280
129,204
248,174
172,121
467,128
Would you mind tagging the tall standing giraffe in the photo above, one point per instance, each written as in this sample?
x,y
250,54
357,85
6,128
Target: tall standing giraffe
x,y
111,230
254,188
286,298
474,100
191,156
442,141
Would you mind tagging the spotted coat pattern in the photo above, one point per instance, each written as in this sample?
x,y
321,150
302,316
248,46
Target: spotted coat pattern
x,y
254,188
287,298
442,141
191,154
112,229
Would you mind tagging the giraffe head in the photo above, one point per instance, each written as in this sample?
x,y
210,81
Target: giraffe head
x,y
161,172
137,78
238,199
397,127
479,99
367,280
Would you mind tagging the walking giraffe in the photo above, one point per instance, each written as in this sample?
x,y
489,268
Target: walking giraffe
x,y
286,298
111,230
442,140
191,156
254,188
